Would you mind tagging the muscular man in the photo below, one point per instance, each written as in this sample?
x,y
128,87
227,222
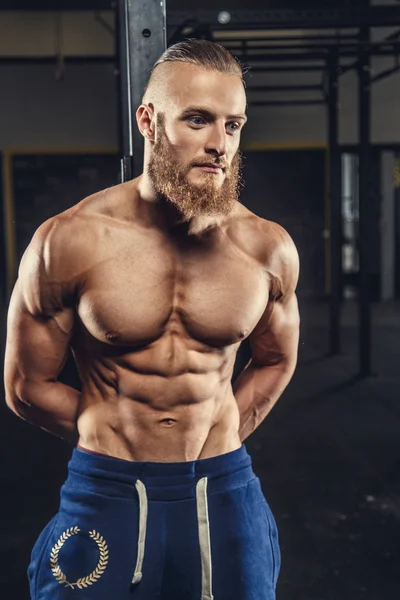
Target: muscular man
x,y
154,284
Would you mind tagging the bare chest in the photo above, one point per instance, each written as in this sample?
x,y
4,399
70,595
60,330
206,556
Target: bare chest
x,y
136,292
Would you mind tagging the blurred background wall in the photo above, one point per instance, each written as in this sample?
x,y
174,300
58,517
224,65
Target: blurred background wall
x,y
60,92
328,456
59,105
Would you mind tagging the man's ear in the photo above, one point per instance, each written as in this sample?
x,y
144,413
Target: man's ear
x,y
146,121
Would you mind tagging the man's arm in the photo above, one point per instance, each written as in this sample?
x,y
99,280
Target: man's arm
x,y
274,343
39,331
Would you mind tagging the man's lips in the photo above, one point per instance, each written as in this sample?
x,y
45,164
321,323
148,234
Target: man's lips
x,y
210,167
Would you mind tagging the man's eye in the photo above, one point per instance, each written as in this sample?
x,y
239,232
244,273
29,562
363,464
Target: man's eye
x,y
233,126
196,120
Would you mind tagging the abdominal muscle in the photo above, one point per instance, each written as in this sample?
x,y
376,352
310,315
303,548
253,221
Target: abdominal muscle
x,y
159,419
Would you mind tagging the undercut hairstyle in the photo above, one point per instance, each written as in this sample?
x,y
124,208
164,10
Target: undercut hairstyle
x,y
203,53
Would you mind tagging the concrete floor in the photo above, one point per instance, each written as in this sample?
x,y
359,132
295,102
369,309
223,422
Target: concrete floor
x,y
328,458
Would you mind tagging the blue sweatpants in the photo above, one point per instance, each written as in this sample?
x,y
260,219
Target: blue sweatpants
x,y
198,530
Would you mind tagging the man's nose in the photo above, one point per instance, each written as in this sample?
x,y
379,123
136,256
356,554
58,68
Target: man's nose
x,y
216,143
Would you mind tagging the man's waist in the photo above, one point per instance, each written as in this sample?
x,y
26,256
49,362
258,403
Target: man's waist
x,y
163,481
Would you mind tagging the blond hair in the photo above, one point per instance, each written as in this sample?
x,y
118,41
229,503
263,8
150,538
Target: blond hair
x,y
203,53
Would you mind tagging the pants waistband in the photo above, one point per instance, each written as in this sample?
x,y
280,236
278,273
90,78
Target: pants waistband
x,y
164,481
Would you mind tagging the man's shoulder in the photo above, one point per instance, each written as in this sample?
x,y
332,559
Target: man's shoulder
x,y
64,231
76,226
110,202
265,240
61,245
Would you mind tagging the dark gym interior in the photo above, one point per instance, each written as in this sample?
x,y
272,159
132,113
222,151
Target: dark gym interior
x,y
321,158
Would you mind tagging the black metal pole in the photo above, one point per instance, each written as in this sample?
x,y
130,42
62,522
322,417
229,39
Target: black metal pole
x,y
142,35
365,202
335,205
117,74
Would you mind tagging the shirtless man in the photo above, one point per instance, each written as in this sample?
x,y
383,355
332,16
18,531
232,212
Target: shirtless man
x,y
154,284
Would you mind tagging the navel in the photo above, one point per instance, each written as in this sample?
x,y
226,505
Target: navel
x,y
168,422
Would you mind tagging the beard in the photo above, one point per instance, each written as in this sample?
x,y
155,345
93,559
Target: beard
x,y
170,181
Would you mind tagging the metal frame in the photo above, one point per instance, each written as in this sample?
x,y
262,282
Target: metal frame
x,y
299,38
301,18
335,206
364,291
387,73
274,18
142,39
315,51
272,55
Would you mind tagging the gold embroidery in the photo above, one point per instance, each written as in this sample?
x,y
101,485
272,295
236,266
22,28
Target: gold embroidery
x,y
82,582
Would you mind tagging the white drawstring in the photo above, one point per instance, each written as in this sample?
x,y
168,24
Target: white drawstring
x,y
204,536
143,510
204,539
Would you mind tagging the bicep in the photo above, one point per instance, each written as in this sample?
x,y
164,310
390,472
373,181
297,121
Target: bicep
x,y
37,342
276,337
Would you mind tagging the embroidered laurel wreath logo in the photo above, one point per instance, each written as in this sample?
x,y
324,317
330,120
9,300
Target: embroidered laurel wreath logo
x,y
82,582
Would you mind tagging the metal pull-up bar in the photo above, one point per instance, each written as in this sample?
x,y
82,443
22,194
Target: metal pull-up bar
x,y
142,40
366,205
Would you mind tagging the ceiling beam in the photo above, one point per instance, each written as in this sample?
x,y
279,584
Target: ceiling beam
x,y
274,18
283,18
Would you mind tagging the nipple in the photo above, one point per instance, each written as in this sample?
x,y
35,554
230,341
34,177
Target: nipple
x,y
111,335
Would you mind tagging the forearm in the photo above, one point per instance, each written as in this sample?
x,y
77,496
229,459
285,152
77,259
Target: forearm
x,y
257,390
52,406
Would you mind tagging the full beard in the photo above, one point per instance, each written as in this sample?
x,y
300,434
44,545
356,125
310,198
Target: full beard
x,y
170,181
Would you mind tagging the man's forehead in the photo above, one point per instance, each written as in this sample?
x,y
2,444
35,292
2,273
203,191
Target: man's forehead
x,y
191,85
